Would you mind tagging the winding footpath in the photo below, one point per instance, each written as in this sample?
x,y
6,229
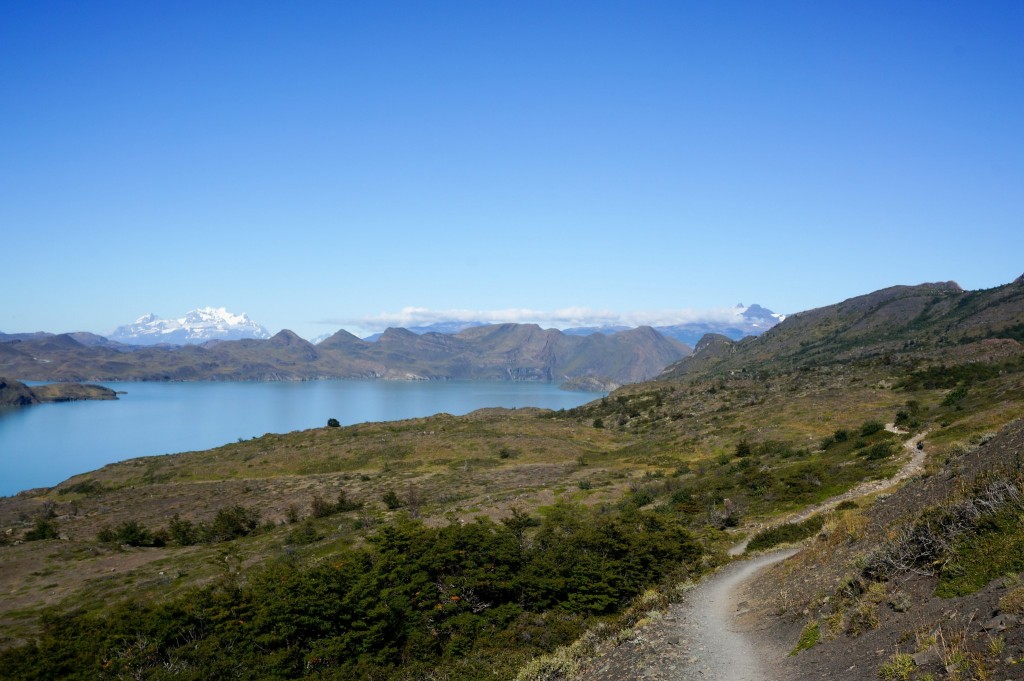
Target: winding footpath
x,y
706,637
724,645
913,466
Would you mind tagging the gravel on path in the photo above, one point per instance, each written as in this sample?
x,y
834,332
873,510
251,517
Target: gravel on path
x,y
702,638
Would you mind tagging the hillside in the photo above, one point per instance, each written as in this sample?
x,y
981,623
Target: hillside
x,y
518,352
902,324
520,543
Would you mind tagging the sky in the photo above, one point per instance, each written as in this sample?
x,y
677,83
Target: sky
x,y
319,165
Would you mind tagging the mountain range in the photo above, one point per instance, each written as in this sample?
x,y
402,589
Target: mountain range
x,y
215,344
747,321
516,352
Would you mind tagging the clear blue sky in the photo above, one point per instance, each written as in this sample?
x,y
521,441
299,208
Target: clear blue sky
x,y
312,161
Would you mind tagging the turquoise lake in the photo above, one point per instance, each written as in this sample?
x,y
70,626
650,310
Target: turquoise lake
x,y
43,445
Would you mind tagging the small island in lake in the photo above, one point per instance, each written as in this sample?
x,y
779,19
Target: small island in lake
x,y
15,393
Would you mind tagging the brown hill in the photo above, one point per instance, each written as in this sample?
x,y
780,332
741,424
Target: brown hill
x,y
898,324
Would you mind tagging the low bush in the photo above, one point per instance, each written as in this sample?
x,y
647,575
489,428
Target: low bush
x,y
1013,601
967,541
786,533
870,428
86,487
44,528
131,533
305,533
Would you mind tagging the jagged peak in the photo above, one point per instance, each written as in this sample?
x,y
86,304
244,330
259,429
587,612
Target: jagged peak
x,y
287,337
341,336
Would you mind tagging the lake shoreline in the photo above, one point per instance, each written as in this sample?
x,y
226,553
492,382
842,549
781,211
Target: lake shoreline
x,y
43,446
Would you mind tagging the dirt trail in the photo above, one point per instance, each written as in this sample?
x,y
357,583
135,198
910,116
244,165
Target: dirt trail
x,y
706,637
913,466
703,638
727,648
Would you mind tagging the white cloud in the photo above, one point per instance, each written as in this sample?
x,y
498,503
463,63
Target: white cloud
x,y
560,319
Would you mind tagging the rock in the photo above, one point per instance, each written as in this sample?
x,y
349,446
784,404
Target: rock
x,y
926,656
1000,622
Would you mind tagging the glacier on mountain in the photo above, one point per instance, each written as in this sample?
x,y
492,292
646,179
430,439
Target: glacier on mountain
x,y
198,326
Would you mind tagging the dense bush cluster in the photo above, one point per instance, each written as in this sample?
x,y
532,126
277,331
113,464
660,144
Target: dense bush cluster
x,y
229,523
475,600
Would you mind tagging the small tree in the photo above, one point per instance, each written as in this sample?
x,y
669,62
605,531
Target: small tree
x,y
182,532
333,423
320,507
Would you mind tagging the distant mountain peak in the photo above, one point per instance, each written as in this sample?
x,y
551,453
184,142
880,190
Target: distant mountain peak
x,y
197,326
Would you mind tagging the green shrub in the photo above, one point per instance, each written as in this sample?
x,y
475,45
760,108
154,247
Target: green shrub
x,y
344,504
877,451
306,533
44,528
231,523
809,637
955,396
863,619
641,496
320,507
1013,601
870,428
86,487
899,668
133,533
786,533
182,532
333,423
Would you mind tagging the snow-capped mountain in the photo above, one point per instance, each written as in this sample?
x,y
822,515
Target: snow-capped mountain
x,y
198,326
742,321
